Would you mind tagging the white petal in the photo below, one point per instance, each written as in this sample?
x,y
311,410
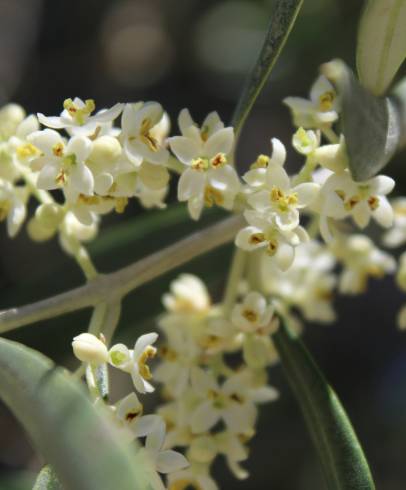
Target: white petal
x,y
306,192
185,120
220,142
195,207
185,149
204,417
191,184
240,418
383,214
132,153
278,152
15,218
202,382
169,461
102,183
146,424
284,256
224,178
143,342
382,185
255,177
243,239
52,122
81,179
361,214
80,146
264,394
47,177
260,201
155,439
45,140
277,176
108,115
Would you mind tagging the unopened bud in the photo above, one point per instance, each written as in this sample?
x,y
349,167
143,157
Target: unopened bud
x,y
88,348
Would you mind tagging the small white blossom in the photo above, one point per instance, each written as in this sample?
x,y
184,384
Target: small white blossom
x,y
13,200
208,178
317,112
396,236
77,119
63,165
135,361
188,294
142,133
341,197
253,313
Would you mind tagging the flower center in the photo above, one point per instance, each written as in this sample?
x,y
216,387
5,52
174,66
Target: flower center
x,y
27,151
250,315
326,101
146,136
282,200
212,196
79,114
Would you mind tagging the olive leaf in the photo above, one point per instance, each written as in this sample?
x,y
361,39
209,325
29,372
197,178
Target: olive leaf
x,y
381,46
343,461
371,125
71,435
282,20
47,480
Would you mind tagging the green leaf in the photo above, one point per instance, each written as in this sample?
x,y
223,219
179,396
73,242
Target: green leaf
x,y
47,480
381,46
283,18
343,461
72,436
370,124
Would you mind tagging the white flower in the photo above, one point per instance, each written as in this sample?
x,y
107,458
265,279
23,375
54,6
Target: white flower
x,y
308,288
320,110
196,476
63,166
142,133
262,234
77,119
306,142
333,157
233,402
208,179
188,294
158,460
396,236
253,313
361,260
13,200
88,348
129,412
135,361
341,197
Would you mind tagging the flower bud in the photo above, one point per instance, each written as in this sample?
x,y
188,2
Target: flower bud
x,y
49,215
88,348
155,177
119,356
105,150
203,449
38,232
11,116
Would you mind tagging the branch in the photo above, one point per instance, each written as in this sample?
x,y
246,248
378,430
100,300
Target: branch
x,y
108,287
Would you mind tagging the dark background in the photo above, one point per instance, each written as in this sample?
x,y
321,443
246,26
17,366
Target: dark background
x,y
195,54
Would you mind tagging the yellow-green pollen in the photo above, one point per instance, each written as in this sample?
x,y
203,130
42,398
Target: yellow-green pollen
x,y
283,201
326,101
149,353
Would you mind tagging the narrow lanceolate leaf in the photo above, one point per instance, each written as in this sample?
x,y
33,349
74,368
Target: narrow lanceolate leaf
x,y
341,456
47,480
381,46
282,20
71,435
370,124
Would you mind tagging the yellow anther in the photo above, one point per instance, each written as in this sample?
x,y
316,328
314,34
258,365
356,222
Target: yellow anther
x,y
350,203
57,149
89,200
256,238
121,204
146,136
79,114
200,164
213,197
373,202
261,162
272,247
218,161
250,315
326,101
134,413
27,151
340,194
61,178
204,133
4,209
184,484
284,201
149,353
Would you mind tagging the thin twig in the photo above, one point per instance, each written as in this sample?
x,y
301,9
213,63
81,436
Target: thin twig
x,y
108,287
